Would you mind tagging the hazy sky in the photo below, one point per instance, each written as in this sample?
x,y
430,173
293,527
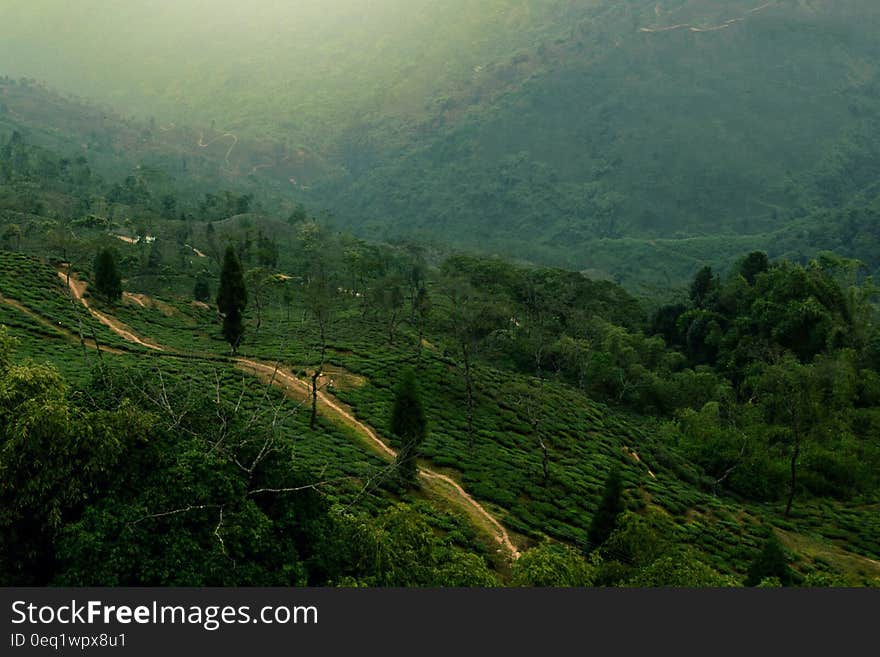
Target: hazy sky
x,y
229,57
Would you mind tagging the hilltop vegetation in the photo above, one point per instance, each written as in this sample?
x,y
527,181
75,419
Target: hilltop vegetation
x,y
742,421
584,135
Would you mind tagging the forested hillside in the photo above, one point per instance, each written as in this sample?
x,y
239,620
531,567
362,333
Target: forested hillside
x,y
223,395
592,135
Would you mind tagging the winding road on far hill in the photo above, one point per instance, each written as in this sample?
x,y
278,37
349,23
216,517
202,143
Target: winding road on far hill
x,y
442,484
704,28
227,135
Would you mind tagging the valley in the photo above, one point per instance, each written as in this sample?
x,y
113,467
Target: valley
x,y
440,294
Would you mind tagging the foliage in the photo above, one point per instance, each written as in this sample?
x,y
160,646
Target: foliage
x,y
681,570
771,563
397,549
611,506
232,298
408,425
107,278
202,289
720,409
552,565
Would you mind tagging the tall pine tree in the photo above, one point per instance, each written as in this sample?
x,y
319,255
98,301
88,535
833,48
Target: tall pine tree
x,y
408,426
107,278
770,563
232,298
611,506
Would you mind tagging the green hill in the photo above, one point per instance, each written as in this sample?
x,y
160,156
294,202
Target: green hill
x,y
440,294
529,129
536,384
617,133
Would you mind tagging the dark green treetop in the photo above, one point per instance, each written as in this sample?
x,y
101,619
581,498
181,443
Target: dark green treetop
x,y
232,298
611,506
408,424
107,278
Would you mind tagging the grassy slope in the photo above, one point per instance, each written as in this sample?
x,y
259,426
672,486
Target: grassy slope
x,y
504,470
332,452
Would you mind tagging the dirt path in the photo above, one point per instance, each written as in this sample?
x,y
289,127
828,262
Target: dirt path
x,y
202,143
67,334
78,289
502,536
196,251
706,28
268,371
634,455
664,29
476,511
134,299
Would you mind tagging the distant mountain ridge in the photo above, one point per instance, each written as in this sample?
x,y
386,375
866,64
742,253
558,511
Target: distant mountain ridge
x,y
657,135
560,132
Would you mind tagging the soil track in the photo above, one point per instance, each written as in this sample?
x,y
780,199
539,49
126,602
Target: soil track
x,y
704,28
227,135
269,372
68,335
78,289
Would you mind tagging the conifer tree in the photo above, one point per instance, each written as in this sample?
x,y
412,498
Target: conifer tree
x,y
705,284
771,563
107,278
232,298
408,425
611,506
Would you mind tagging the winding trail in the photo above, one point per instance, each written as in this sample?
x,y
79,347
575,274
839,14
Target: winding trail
x,y
669,28
286,380
128,296
78,288
634,455
200,254
202,143
270,371
707,28
68,335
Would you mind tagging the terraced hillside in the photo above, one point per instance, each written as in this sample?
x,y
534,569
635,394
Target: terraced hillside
x,y
503,471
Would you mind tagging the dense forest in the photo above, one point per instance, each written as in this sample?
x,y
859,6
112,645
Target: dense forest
x,y
197,392
634,140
